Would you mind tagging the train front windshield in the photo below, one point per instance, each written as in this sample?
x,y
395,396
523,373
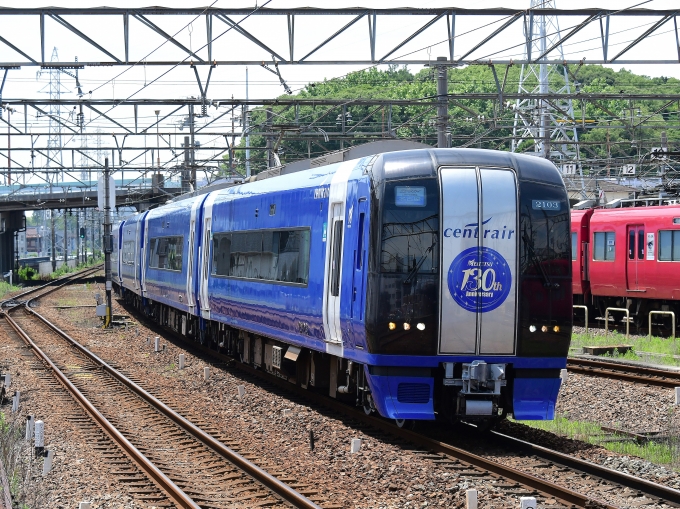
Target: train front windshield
x,y
545,270
409,267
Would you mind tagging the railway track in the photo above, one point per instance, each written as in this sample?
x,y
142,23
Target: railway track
x,y
163,458
517,478
624,371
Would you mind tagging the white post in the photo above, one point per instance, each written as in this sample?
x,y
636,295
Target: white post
x,y
287,412
241,391
677,395
564,375
84,505
47,466
181,361
206,373
39,436
29,427
156,344
356,445
8,380
15,401
471,499
527,503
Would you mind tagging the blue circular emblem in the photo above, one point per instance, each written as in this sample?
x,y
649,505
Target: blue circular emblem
x,y
479,279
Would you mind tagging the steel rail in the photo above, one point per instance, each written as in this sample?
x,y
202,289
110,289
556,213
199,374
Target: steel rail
x,y
56,284
626,372
546,487
664,493
280,488
159,478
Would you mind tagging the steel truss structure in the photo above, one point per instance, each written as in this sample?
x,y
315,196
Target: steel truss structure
x,y
127,154
456,33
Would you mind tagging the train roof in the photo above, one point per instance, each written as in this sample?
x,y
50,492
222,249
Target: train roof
x,y
426,162
629,214
389,165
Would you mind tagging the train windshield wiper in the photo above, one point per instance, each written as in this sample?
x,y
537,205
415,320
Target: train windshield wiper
x,y
417,266
547,283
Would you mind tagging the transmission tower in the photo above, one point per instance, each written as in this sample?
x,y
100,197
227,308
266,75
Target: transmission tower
x,y
54,152
546,127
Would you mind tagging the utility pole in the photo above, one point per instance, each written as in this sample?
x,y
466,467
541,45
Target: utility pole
x,y
65,239
108,243
270,144
442,101
53,241
193,147
93,221
186,176
246,113
77,236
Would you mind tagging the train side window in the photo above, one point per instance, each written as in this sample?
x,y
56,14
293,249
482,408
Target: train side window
x,y
336,258
265,255
166,253
221,254
574,243
669,245
631,245
605,246
129,252
641,244
360,243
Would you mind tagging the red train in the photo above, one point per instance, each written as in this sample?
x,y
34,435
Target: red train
x,y
627,258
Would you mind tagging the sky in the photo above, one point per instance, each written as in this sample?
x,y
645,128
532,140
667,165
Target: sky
x,y
142,81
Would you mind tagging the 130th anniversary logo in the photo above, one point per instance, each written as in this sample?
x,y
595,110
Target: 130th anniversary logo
x,y
479,279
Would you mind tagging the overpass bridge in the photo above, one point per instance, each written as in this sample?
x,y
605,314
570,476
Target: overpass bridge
x,y
15,200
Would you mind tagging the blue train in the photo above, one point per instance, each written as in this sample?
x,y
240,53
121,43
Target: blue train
x,y
421,284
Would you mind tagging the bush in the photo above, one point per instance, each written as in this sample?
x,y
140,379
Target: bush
x,y
27,274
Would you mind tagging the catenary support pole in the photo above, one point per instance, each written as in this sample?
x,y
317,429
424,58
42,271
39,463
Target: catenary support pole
x,y
65,239
442,101
108,242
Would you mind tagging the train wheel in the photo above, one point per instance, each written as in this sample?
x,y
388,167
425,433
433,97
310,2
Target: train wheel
x,y
369,406
405,423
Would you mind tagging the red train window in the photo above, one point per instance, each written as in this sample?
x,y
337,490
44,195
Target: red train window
x,y
641,244
631,245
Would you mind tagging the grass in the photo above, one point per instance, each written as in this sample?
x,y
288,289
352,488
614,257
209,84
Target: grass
x,y
663,348
660,453
65,269
6,288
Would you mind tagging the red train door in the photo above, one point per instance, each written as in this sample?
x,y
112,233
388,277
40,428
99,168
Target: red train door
x,y
636,256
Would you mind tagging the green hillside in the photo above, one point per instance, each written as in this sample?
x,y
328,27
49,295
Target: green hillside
x,y
615,128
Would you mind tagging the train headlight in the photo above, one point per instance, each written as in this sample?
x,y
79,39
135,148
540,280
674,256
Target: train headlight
x,y
392,325
420,326
556,328
407,326
532,328
544,328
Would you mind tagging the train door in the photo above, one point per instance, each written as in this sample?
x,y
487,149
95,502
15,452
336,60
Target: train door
x,y
358,291
636,256
191,301
479,261
138,232
335,235
143,253
203,268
